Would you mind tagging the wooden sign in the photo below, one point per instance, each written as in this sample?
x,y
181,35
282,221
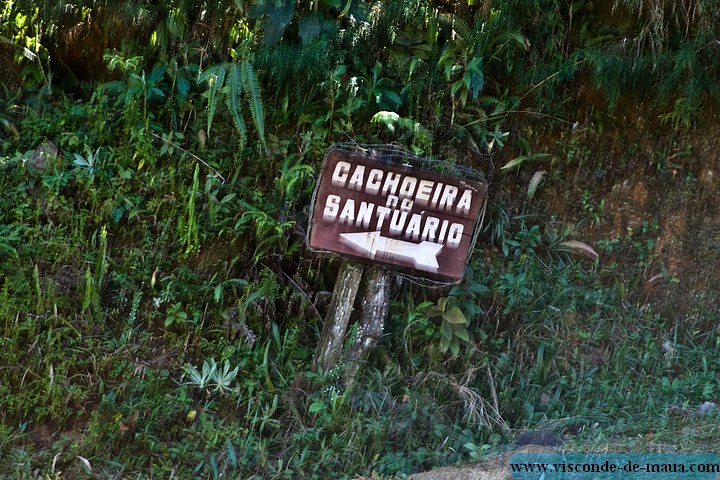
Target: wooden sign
x,y
405,217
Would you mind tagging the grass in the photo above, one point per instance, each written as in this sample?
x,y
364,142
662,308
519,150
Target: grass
x,y
159,312
660,433
108,319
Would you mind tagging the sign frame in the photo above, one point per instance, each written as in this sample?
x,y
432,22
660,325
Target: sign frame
x,y
380,205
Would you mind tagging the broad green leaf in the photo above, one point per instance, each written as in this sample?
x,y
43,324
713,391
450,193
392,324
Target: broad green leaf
x,y
477,78
463,97
309,27
80,161
444,344
461,332
228,198
157,73
391,98
455,315
455,346
358,11
434,311
442,302
182,85
446,330
277,20
316,406
455,87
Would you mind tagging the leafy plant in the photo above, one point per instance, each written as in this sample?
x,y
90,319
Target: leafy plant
x,y
235,81
453,327
276,15
408,130
213,378
8,110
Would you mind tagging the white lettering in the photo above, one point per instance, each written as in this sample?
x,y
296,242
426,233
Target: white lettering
x,y
356,181
348,212
407,188
448,197
406,204
413,228
436,195
423,193
382,213
430,229
391,183
463,206
455,235
340,174
374,181
332,206
443,231
397,222
364,214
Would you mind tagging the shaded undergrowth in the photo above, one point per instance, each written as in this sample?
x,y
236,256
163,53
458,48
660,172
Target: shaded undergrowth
x,y
158,306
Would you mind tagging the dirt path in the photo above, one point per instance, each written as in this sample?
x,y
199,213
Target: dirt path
x,y
492,468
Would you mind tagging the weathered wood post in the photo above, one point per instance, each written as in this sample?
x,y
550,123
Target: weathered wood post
x,y
330,346
379,206
375,307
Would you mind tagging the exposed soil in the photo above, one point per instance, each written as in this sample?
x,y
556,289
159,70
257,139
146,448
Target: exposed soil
x,y
632,177
494,467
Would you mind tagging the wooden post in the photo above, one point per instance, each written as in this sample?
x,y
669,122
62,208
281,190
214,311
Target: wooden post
x,y
375,306
328,350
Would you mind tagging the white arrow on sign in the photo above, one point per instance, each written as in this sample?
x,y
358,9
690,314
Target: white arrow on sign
x,y
423,254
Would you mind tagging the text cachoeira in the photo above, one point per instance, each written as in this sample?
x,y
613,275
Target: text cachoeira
x,y
401,193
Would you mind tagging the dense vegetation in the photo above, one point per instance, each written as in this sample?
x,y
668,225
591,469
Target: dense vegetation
x,y
158,306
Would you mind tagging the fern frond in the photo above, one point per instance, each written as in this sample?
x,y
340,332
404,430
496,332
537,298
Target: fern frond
x,y
535,183
215,76
432,37
233,100
463,30
252,89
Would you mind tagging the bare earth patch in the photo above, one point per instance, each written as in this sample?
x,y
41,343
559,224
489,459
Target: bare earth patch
x,y
492,468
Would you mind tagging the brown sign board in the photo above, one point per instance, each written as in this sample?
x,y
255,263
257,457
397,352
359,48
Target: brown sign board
x,y
404,217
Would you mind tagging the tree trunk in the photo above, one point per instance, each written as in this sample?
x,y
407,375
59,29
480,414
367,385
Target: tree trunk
x,y
375,306
328,350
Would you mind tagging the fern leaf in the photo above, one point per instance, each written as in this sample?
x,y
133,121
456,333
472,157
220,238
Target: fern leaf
x,y
432,37
463,29
215,76
252,89
233,100
535,183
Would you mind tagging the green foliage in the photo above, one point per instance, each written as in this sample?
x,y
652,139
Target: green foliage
x,y
191,228
453,326
157,302
276,15
411,132
241,83
212,378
